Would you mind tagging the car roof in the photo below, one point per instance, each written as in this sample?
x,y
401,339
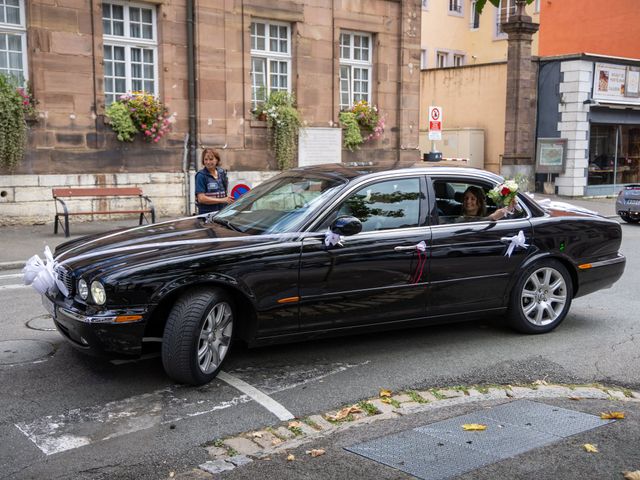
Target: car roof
x,y
350,171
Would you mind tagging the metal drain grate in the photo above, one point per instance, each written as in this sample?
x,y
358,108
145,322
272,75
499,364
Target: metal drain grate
x,y
443,450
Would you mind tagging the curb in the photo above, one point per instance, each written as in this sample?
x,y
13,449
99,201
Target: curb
x,y
12,265
244,448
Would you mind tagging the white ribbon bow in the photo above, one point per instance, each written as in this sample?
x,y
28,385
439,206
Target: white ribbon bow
x,y
514,242
332,239
422,246
41,275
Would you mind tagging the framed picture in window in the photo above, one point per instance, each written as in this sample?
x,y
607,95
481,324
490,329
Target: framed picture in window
x,y
632,85
551,155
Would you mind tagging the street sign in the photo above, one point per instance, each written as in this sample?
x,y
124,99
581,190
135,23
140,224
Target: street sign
x,y
239,190
435,123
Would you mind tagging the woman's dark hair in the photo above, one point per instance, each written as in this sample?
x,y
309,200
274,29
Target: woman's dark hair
x,y
479,194
215,154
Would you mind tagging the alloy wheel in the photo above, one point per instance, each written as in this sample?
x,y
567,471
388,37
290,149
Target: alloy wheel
x,y
215,337
544,296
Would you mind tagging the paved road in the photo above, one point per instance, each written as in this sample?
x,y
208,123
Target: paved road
x,y
68,416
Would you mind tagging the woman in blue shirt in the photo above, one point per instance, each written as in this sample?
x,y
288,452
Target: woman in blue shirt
x,y
212,184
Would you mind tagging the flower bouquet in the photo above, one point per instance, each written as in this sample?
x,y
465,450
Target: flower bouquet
x,y
504,194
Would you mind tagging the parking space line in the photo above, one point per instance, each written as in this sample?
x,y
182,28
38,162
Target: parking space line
x,y
12,287
11,275
259,397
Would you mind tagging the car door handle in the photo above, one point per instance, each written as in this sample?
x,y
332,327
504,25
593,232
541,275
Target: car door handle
x,y
409,248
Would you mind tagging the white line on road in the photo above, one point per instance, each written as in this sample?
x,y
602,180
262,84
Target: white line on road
x,y
12,287
11,275
266,401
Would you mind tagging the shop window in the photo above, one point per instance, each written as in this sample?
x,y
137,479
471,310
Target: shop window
x,y
614,155
130,49
270,59
356,65
13,40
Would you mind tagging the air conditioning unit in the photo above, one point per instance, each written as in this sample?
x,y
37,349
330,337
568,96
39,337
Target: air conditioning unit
x,y
458,143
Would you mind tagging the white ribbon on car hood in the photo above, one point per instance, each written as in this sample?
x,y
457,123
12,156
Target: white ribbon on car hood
x,y
548,203
41,275
516,241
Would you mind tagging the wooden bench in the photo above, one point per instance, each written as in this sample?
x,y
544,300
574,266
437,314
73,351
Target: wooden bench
x,y
146,205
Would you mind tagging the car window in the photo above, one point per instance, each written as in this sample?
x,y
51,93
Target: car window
x,y
278,205
383,205
449,201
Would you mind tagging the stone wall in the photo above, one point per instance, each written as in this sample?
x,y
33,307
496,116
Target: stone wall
x,y
72,141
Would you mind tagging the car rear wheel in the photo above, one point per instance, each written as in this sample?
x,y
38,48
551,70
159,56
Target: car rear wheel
x,y
198,336
541,297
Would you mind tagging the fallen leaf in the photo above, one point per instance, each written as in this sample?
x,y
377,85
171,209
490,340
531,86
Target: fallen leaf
x,y
276,441
316,452
344,413
612,415
386,400
473,426
509,393
590,448
540,382
574,398
257,434
295,424
635,475
291,457
385,393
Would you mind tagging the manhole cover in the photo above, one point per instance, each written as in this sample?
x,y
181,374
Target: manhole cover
x,y
42,322
443,450
23,351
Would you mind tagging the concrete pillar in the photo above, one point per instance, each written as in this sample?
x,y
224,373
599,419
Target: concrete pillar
x,y
519,133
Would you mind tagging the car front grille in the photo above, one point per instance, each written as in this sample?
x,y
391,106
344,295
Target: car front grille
x,y
65,276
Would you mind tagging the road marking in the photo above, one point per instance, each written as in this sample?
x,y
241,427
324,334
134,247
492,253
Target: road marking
x,y
266,401
84,426
12,287
11,275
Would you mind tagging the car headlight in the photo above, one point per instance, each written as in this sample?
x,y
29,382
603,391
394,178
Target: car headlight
x,y
98,293
83,289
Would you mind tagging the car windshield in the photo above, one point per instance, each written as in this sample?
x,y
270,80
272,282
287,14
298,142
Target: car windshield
x,y
278,205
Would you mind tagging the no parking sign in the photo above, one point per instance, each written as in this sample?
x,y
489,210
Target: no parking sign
x,y
435,123
239,190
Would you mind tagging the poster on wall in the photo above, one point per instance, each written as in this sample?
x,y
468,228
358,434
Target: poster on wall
x,y
616,82
550,157
632,87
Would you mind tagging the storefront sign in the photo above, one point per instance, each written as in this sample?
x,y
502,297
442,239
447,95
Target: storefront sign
x,y
550,156
616,83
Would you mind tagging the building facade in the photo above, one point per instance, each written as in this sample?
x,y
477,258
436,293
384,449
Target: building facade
x,y
78,56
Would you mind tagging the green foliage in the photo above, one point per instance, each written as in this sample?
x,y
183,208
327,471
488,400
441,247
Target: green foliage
x,y
146,114
121,122
13,128
496,3
352,138
369,408
283,123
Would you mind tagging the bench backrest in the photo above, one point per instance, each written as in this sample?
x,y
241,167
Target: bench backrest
x,y
97,192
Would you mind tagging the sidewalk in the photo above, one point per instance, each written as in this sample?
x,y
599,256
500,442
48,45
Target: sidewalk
x,y
19,243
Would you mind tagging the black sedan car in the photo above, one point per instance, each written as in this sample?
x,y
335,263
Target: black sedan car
x,y
327,250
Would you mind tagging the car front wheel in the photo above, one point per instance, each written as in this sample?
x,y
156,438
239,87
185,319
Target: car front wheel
x,y
198,336
541,297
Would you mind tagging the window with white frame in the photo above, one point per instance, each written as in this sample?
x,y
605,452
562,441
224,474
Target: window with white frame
x,y
475,16
270,59
423,58
506,9
130,49
455,7
13,40
536,8
441,59
356,66
458,60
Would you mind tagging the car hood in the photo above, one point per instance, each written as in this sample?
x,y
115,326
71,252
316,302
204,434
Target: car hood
x,y
160,243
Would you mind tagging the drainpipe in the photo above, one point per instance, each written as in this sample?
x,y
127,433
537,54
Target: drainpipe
x,y
193,126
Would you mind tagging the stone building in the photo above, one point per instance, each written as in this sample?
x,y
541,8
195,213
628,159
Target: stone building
x,y
79,55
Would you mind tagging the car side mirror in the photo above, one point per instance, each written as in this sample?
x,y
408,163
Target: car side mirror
x,y
346,225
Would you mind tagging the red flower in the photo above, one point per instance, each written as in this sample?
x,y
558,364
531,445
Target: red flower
x,y
505,191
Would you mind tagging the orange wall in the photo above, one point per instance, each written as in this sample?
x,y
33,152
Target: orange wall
x,y
609,27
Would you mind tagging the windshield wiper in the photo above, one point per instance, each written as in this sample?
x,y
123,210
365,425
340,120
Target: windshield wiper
x,y
226,223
